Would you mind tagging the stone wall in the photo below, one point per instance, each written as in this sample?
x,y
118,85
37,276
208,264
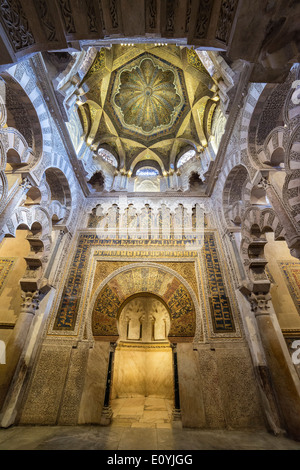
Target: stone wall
x,y
144,370
217,387
56,385
216,382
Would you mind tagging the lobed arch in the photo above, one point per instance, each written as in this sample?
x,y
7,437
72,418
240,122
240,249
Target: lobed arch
x,y
41,196
141,157
58,166
184,150
255,224
277,157
21,114
144,294
187,171
100,166
59,186
44,189
115,291
33,196
266,115
262,218
147,163
236,194
110,149
20,79
275,143
36,223
269,118
29,217
15,143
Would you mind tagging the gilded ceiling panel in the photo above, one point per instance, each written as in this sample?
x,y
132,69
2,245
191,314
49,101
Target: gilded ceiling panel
x,y
149,95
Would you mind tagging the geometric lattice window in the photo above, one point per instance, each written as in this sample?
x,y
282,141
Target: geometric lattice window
x,y
147,171
108,157
186,157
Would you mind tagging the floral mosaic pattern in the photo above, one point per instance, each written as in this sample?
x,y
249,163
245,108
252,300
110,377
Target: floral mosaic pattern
x,y
147,96
151,280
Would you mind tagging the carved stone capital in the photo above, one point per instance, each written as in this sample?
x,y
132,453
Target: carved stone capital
x,y
25,184
264,183
260,303
112,347
231,236
30,302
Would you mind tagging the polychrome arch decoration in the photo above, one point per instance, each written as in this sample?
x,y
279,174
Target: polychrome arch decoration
x,y
140,280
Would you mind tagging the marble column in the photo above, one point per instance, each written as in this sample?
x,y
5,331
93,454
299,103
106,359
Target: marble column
x,y
176,409
106,414
284,377
17,341
261,369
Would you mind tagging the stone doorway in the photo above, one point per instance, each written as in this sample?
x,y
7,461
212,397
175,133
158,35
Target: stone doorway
x,y
143,384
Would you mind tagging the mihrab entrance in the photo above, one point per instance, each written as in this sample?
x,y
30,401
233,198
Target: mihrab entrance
x,y
143,379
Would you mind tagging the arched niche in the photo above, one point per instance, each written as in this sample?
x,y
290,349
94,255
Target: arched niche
x,y
278,175
33,196
13,160
235,194
13,166
106,153
21,114
195,182
147,164
185,157
277,158
96,182
59,186
152,280
144,318
143,357
185,154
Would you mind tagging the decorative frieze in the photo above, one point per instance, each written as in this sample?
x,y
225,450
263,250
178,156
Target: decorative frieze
x,y
16,24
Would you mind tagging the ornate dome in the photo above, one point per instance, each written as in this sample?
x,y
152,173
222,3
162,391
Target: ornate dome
x,y
146,99
147,96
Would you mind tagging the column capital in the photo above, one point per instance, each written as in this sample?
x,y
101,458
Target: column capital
x,y
264,183
30,302
260,303
112,347
25,184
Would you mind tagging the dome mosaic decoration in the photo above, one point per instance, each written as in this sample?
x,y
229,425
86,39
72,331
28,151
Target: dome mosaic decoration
x,y
143,98
147,99
147,96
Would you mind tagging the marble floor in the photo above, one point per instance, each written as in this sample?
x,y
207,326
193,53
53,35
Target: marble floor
x,y
142,412
117,437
